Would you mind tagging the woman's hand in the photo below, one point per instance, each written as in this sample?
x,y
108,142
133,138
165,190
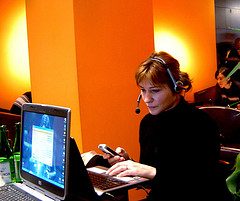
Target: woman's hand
x,y
131,168
113,160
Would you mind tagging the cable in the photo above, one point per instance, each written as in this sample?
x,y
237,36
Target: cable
x,y
233,70
112,197
230,105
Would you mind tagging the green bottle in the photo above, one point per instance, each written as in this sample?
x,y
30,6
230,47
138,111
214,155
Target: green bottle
x,y
14,160
5,148
12,168
16,157
7,171
16,145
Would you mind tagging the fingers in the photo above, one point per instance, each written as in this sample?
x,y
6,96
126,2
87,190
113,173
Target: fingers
x,y
118,150
117,169
122,152
131,168
106,156
124,168
113,160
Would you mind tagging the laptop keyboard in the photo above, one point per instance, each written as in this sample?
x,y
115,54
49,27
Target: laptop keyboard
x,y
103,181
12,193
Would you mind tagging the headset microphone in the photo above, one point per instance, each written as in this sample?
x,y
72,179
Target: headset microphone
x,y
137,111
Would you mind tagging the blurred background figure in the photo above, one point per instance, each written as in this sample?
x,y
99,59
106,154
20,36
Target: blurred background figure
x,y
17,105
233,55
227,89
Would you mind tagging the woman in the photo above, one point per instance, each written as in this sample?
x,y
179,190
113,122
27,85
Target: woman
x,y
227,91
179,144
233,55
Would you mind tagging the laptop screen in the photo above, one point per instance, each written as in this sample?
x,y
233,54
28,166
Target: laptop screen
x,y
44,147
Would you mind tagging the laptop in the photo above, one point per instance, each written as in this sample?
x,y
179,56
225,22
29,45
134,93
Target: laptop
x,y
51,165
44,151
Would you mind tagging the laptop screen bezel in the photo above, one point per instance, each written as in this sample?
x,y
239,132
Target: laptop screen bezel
x,y
38,183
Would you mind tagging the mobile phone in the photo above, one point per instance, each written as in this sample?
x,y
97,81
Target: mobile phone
x,y
107,150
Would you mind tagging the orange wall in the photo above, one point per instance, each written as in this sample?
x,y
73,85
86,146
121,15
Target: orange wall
x,y
108,52
189,29
52,56
14,70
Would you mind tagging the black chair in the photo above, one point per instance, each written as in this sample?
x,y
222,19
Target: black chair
x,y
228,121
205,97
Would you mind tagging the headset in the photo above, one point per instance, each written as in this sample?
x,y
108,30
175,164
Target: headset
x,y
177,85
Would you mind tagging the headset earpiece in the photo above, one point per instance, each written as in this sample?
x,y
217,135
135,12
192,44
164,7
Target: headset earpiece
x,y
177,85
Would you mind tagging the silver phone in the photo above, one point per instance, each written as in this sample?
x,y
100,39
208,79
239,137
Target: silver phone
x,y
106,149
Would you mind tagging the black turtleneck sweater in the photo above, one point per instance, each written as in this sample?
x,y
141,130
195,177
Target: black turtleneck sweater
x,y
183,145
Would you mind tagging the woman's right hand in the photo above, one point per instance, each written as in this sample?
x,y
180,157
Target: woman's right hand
x,y
131,168
113,160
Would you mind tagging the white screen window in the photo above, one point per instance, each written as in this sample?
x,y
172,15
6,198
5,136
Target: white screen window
x,y
42,145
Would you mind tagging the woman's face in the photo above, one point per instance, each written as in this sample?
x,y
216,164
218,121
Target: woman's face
x,y
157,99
221,80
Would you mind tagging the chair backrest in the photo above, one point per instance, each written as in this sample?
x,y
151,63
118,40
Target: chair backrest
x,y
228,120
205,97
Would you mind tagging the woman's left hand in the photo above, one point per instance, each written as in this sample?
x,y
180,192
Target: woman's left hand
x,y
131,168
123,155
